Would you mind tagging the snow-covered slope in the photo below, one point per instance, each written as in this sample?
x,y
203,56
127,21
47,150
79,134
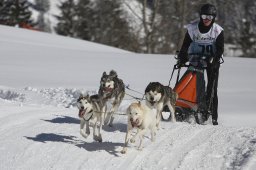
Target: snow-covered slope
x,y
41,76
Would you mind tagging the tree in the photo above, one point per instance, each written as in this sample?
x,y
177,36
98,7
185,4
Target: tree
x,y
84,19
68,19
247,40
42,6
109,25
146,18
4,12
150,23
176,15
16,12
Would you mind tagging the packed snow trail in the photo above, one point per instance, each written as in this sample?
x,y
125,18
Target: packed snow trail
x,y
47,137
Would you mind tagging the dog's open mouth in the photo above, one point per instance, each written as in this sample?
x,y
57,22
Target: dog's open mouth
x,y
81,112
152,102
135,123
107,89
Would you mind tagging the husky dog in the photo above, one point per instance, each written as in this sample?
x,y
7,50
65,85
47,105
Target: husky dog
x,y
142,118
91,108
158,96
111,89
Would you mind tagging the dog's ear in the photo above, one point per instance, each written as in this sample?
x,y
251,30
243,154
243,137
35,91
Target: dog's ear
x,y
104,73
128,111
160,88
148,88
80,97
113,73
87,96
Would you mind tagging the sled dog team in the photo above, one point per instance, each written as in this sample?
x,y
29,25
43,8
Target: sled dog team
x,y
93,109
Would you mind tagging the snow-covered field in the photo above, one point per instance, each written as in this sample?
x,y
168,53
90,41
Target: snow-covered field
x,y
42,75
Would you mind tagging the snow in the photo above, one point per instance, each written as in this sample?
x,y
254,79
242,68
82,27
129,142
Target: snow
x,y
42,76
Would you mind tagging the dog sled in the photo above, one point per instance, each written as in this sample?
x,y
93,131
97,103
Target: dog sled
x,y
191,90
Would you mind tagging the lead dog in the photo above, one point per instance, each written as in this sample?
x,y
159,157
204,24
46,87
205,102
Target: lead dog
x,y
91,109
112,89
158,96
142,118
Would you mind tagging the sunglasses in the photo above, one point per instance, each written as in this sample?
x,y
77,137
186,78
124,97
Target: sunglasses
x,y
209,17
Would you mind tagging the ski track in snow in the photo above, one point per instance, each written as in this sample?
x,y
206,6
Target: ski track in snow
x,y
47,136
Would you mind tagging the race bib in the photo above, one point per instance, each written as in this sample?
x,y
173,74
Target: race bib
x,y
201,49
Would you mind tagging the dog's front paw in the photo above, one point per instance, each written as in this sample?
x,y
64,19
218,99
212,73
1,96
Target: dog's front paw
x,y
110,125
124,151
158,127
140,148
132,140
87,132
100,138
173,120
97,138
106,122
85,135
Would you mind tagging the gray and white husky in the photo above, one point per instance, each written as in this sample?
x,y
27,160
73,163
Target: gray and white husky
x,y
111,89
91,109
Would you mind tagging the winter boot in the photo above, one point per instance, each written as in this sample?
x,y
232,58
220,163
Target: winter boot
x,y
214,122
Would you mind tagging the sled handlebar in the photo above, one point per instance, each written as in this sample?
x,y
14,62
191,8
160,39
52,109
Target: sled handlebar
x,y
177,66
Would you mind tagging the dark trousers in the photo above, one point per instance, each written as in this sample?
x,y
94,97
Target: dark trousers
x,y
212,90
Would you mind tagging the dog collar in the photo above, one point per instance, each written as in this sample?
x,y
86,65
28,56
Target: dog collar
x,y
88,115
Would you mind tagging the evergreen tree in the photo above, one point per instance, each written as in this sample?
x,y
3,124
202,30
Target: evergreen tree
x,y
175,15
247,40
16,12
20,13
84,20
68,19
110,26
42,6
4,12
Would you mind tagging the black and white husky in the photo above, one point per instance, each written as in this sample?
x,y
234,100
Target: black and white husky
x,y
91,109
158,96
111,89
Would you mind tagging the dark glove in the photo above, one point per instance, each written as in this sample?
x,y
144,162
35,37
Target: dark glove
x,y
179,63
214,62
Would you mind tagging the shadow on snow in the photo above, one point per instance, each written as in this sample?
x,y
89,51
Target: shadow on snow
x,y
109,147
121,127
117,126
64,119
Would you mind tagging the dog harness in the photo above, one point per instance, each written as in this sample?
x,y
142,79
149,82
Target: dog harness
x,y
88,116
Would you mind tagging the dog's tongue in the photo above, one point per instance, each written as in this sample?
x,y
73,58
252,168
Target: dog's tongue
x,y
81,113
135,123
107,89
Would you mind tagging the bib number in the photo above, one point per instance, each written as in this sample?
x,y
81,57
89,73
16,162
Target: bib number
x,y
206,49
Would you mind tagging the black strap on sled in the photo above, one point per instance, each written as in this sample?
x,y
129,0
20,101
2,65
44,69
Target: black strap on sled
x,y
128,87
137,98
178,76
174,68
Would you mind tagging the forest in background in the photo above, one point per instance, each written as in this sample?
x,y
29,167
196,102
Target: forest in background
x,y
142,26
